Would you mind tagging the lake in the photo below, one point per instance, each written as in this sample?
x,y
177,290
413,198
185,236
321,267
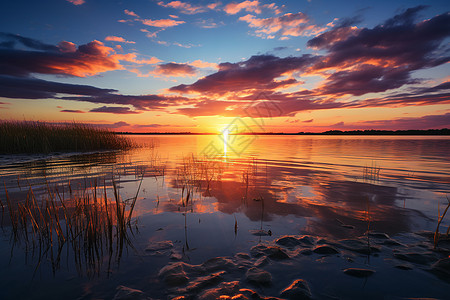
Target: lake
x,y
348,217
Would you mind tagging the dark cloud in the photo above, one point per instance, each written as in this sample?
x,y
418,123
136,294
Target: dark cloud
x,y
148,125
140,102
114,110
425,122
76,111
256,73
175,70
394,50
10,40
65,59
280,48
33,88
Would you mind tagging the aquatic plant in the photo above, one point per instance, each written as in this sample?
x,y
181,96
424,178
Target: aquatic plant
x,y
42,137
87,221
371,173
440,218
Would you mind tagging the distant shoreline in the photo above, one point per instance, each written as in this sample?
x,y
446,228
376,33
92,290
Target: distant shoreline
x,y
434,132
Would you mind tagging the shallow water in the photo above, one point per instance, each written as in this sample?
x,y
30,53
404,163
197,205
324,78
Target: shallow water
x,y
329,187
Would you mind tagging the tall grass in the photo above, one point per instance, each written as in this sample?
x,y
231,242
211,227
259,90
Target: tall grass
x,y
41,137
94,226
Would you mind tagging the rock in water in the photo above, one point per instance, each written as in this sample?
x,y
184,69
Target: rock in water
x,y
356,272
158,246
325,250
442,267
258,276
126,293
298,290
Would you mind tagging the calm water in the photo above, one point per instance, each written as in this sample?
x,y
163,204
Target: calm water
x,y
285,185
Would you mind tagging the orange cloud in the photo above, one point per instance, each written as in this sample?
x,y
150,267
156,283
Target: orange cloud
x,y
287,25
118,39
163,23
184,7
174,70
76,2
132,57
203,64
130,13
250,6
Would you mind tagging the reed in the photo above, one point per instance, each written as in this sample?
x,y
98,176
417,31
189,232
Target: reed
x,y
41,137
440,218
91,224
371,173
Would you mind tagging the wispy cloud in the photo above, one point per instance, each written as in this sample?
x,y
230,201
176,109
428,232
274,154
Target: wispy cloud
x,y
74,111
119,110
249,6
184,7
289,24
76,2
162,23
130,13
174,70
119,39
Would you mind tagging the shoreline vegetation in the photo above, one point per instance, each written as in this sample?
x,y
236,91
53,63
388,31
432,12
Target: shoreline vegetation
x,y
444,131
41,137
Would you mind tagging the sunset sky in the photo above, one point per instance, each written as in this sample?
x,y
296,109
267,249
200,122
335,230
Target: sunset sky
x,y
274,66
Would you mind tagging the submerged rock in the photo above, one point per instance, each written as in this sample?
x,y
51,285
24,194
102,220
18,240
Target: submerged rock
x,y
205,281
258,276
442,267
358,245
176,274
220,292
325,250
379,235
417,258
262,261
272,252
405,267
219,263
298,290
357,272
126,293
261,232
288,241
292,241
157,247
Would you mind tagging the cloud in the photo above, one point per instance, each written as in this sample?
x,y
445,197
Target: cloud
x,y
163,23
257,73
33,88
76,111
203,64
184,7
130,13
249,6
118,39
150,125
174,70
289,24
424,122
139,102
382,58
12,39
76,2
209,23
114,110
356,62
65,59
